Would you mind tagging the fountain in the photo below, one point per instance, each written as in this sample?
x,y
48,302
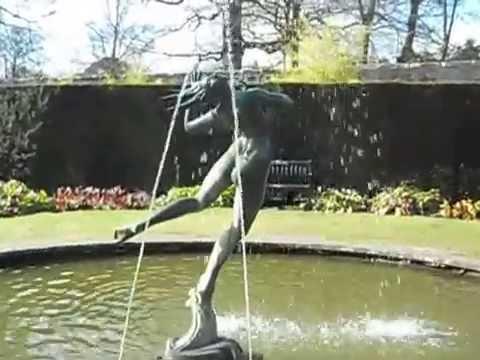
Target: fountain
x,y
245,164
250,114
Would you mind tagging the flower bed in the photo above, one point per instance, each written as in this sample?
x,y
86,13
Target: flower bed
x,y
17,199
81,198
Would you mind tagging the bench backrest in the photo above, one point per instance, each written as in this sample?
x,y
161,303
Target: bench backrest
x,y
290,172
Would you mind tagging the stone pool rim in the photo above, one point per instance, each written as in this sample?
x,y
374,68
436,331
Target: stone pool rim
x,y
178,244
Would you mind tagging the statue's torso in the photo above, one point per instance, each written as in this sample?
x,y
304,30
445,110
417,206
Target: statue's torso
x,y
260,147
258,112
252,119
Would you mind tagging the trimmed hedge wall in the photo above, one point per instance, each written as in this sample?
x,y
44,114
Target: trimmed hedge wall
x,y
356,135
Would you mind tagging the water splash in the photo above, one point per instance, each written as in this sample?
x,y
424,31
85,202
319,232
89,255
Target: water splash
x,y
343,331
277,330
236,134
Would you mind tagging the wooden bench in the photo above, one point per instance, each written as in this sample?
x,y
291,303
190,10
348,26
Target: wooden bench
x,y
289,181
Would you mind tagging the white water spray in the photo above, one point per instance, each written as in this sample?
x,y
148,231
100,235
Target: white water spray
x,y
152,203
240,188
239,177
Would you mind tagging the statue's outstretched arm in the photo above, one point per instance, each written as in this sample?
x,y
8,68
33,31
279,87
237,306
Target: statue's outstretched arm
x,y
203,124
282,103
281,106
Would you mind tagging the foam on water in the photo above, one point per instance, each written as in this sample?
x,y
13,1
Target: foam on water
x,y
362,329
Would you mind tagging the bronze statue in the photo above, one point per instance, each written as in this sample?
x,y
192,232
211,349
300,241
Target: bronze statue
x,y
257,110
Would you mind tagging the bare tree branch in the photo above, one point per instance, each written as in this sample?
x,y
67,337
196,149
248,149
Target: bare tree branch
x,y
201,56
116,38
15,15
20,51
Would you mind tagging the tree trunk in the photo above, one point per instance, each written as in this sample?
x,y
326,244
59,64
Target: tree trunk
x,y
366,45
295,32
5,68
407,53
116,27
13,74
447,29
235,13
367,18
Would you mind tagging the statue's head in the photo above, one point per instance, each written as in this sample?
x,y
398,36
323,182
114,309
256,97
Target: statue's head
x,y
208,91
216,90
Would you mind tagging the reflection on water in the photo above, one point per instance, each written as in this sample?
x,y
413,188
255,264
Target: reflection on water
x,y
307,307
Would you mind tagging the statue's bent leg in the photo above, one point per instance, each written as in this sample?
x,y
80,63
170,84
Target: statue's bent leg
x,y
253,195
216,181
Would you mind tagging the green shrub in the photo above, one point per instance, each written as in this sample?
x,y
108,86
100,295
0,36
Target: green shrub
x,y
406,200
134,75
225,199
429,202
336,201
176,193
465,209
19,123
17,199
326,57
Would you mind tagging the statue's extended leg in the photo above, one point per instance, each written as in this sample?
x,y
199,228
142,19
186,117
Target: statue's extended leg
x,y
172,211
224,246
254,172
203,330
216,181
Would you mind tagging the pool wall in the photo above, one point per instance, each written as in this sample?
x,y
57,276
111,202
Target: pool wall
x,y
426,258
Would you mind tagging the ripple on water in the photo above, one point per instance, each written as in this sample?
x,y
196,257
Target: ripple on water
x,y
28,292
98,278
19,284
42,330
76,293
43,341
56,291
83,341
21,311
58,282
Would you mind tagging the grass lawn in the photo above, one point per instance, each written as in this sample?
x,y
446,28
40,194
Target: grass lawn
x,y
442,234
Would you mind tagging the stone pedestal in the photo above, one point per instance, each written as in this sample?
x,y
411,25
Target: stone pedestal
x,y
220,349
201,341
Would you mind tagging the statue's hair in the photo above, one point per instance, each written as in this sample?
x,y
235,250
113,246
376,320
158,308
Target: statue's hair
x,y
198,84
222,74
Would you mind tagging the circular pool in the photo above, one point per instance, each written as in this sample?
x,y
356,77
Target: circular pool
x,y
303,307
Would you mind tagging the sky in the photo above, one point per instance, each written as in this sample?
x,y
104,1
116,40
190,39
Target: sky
x,y
67,46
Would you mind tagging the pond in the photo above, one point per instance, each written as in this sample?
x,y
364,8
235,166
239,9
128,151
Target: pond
x,y
303,307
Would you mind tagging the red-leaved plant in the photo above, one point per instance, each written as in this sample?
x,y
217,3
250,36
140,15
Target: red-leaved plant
x,y
116,198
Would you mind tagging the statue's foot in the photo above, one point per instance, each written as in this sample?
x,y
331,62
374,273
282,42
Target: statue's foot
x,y
125,233
203,330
